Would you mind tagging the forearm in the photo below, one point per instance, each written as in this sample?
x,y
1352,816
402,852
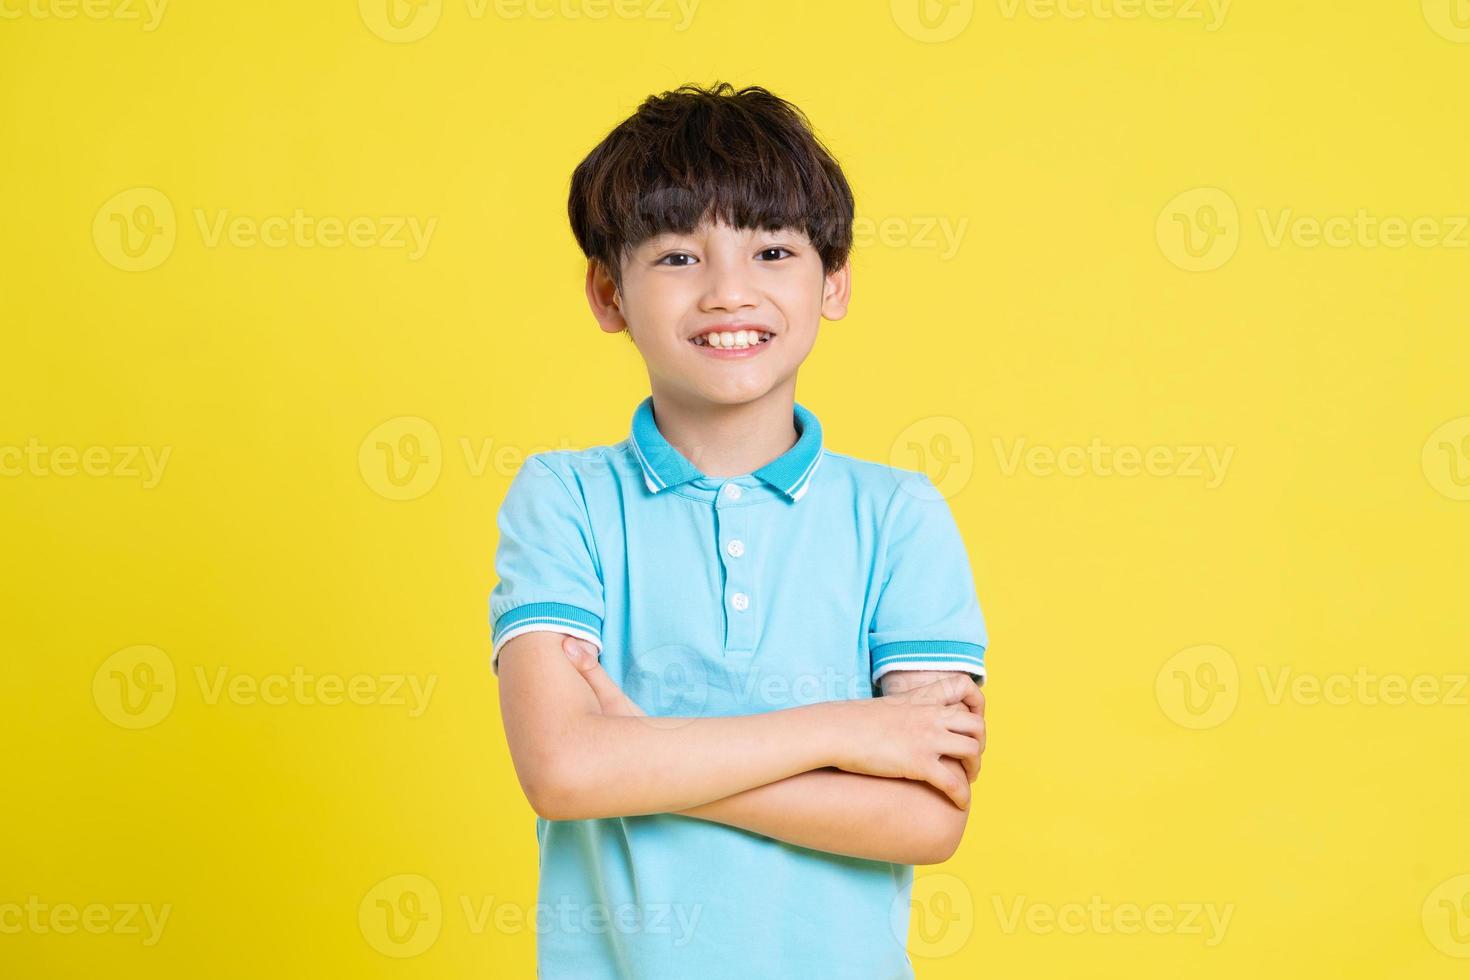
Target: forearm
x,y
627,766
900,820
577,761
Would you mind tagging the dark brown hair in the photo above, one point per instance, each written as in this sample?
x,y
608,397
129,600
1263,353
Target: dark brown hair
x,y
747,158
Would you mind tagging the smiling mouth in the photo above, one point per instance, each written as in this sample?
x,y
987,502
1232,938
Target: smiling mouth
x,y
732,339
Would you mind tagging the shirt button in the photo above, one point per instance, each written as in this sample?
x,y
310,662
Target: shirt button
x,y
732,490
736,547
740,600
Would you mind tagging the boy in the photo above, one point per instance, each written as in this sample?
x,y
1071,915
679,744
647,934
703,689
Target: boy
x,y
724,795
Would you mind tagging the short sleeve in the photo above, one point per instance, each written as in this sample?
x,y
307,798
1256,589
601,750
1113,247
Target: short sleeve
x,y
927,616
544,562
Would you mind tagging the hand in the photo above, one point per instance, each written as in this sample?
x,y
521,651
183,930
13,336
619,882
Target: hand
x,y
909,734
899,681
610,697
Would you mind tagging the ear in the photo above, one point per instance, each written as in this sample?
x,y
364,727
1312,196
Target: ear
x,y
602,296
836,292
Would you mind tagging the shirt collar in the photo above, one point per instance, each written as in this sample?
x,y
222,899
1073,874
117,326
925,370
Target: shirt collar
x,y
665,467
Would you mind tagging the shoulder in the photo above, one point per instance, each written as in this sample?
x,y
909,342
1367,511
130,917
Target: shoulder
x,y
579,467
875,483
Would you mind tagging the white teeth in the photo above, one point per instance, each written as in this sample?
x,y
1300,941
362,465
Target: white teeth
x,y
737,339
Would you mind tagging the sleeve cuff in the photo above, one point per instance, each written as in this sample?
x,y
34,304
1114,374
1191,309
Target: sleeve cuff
x,y
558,617
929,655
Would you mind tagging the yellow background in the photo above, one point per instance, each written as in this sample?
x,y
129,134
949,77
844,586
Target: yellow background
x,y
1337,539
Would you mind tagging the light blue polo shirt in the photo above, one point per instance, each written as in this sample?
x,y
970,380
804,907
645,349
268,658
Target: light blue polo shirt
x,y
803,581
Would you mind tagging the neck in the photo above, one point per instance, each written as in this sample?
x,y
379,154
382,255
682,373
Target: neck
x,y
728,440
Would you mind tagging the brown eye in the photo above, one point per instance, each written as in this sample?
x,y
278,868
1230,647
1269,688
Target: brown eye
x,y
777,248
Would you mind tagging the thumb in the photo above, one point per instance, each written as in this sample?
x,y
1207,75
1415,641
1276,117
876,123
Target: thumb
x,y
581,653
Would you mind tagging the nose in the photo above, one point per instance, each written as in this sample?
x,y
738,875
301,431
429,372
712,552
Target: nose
x,y
728,286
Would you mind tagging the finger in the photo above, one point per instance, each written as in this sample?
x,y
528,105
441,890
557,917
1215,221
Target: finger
x,y
955,689
967,751
951,784
577,651
965,723
602,683
610,697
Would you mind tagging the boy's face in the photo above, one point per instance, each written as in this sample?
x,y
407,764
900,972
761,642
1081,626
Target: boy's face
x,y
677,287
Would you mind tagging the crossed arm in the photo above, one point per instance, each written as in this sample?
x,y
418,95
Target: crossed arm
x,y
774,774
